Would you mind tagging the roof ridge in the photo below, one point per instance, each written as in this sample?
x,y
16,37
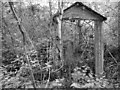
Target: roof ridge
x,y
80,3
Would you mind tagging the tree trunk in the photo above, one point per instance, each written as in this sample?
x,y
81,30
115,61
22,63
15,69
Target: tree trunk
x,y
60,28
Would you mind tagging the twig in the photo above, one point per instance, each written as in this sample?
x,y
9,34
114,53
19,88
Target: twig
x,y
48,79
112,57
59,68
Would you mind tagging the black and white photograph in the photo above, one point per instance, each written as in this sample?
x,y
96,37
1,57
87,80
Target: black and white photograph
x,y
59,44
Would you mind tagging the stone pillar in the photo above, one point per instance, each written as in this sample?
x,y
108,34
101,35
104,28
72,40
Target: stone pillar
x,y
99,51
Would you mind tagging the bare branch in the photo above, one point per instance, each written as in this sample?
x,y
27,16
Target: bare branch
x,y
24,41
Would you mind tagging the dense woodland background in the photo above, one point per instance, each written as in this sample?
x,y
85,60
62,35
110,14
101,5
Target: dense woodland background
x,y
30,48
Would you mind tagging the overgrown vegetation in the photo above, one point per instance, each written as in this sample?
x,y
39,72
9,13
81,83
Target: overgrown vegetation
x,y
32,59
